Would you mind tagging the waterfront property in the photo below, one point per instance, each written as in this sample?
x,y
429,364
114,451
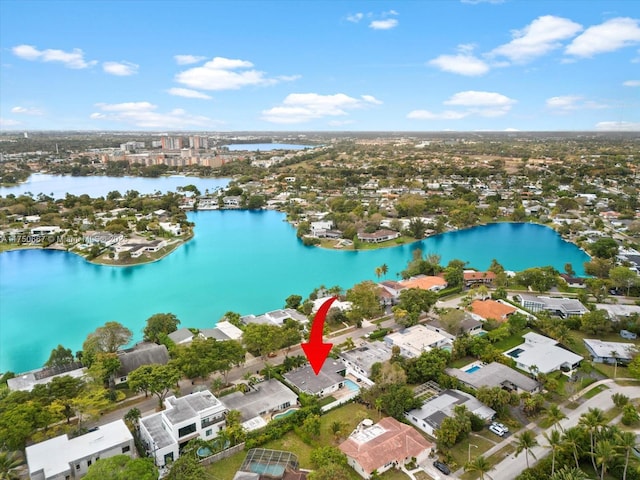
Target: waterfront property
x,y
430,416
164,434
425,282
64,458
275,317
473,278
414,340
181,336
610,352
42,376
260,401
222,331
360,360
142,354
540,354
561,307
494,374
329,379
384,445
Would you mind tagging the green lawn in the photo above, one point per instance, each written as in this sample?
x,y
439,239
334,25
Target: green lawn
x,y
594,391
461,362
394,474
460,452
512,341
227,468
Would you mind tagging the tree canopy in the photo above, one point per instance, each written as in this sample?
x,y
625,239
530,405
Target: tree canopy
x,y
122,467
158,325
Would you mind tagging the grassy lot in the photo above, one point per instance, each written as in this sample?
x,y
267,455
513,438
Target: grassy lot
x,y
227,468
512,341
494,459
461,362
460,452
394,474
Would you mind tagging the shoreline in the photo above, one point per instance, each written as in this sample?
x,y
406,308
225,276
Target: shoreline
x,y
174,247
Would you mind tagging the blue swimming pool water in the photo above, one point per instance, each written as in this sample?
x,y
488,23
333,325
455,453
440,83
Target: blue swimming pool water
x,y
473,369
351,385
515,353
285,414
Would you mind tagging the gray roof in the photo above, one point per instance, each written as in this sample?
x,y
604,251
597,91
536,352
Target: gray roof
x,y
147,354
214,333
153,424
436,409
189,406
263,397
619,350
466,324
305,379
368,354
494,374
180,335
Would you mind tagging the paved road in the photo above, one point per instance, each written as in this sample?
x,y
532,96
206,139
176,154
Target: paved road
x,y
511,466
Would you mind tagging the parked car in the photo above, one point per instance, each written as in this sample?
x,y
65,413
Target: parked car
x,y
497,430
442,467
502,426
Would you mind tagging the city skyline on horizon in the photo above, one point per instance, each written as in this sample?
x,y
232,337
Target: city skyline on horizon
x,y
279,66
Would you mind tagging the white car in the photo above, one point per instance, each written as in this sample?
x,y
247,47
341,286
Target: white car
x,y
501,425
497,430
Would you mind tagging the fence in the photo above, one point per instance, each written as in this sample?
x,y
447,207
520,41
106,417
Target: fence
x,y
223,454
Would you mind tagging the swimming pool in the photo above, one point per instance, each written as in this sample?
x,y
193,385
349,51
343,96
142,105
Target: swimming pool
x,y
284,414
351,385
515,353
473,369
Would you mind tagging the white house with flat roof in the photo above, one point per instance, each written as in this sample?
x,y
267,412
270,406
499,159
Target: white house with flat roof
x,y
360,360
542,354
64,458
560,306
610,352
414,340
199,415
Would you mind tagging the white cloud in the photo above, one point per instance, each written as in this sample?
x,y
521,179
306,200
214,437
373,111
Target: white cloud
x,y
74,59
121,69
304,107
427,115
632,83
355,18
538,38
26,110
619,126
609,36
464,63
340,123
188,93
387,24
568,103
187,59
145,115
484,104
226,74
7,122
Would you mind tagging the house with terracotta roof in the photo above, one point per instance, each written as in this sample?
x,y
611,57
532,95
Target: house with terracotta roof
x,y
384,445
473,278
425,282
492,310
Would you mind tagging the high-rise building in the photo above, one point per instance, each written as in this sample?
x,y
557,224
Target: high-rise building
x,y
198,142
171,143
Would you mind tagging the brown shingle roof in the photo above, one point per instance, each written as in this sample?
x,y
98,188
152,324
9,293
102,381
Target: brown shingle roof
x,y
397,442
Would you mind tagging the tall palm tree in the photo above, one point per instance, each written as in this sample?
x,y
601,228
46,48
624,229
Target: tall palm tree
x,y
625,441
605,451
568,473
555,443
571,438
479,465
384,269
555,415
9,463
526,441
378,272
592,421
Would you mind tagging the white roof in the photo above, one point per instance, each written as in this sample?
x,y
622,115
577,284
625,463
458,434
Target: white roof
x,y
544,353
55,455
606,349
618,310
229,329
416,339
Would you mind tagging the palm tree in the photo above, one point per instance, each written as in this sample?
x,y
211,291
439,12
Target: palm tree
x,y
479,465
572,439
568,473
592,421
526,441
9,463
555,415
555,443
378,272
337,428
384,269
349,344
605,451
625,441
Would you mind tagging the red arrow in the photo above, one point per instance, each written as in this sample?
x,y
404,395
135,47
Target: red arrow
x,y
315,350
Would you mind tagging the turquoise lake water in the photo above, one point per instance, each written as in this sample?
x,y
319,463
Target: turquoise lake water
x,y
247,262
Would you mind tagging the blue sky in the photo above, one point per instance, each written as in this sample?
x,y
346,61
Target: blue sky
x,y
320,65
